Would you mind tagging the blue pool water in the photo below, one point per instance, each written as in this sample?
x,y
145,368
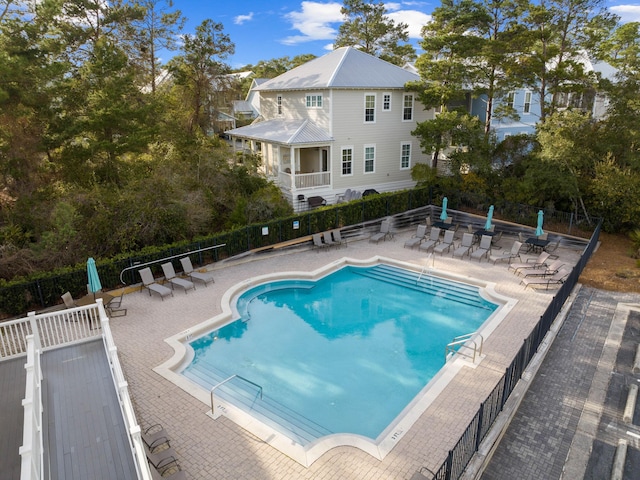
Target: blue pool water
x,y
346,353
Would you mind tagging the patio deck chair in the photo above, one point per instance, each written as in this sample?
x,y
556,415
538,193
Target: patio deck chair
x,y
551,248
337,237
546,271
328,240
557,279
509,256
431,242
155,436
171,471
465,246
170,275
187,268
446,243
317,241
417,238
114,307
385,230
68,300
538,262
150,284
161,458
483,250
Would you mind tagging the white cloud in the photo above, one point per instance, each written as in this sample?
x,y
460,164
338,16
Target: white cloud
x,y
240,19
627,13
314,22
413,18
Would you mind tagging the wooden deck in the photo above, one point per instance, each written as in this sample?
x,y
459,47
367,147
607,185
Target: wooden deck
x,y
13,378
84,431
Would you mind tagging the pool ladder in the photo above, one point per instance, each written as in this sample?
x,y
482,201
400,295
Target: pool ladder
x,y
227,380
427,267
461,342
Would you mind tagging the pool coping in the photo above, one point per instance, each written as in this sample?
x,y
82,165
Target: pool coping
x,y
308,453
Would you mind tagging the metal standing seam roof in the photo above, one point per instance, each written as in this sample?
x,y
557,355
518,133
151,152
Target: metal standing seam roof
x,y
345,67
288,132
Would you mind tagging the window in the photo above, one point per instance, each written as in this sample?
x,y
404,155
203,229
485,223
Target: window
x,y
405,156
279,104
527,102
511,99
314,101
386,102
369,158
369,108
347,161
407,108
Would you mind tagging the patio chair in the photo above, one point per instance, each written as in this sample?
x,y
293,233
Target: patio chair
x,y
417,238
538,262
510,255
187,268
446,243
465,246
155,436
161,458
337,237
68,300
385,230
317,241
484,249
114,307
171,471
431,242
546,271
170,275
557,279
328,240
150,284
551,248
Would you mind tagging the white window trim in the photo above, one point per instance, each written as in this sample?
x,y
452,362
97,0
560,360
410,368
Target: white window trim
x,y
364,158
390,102
524,102
402,145
413,104
375,100
512,103
342,149
316,96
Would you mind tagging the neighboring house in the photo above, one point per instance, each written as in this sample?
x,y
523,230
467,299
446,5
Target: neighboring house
x,y
341,121
253,96
527,105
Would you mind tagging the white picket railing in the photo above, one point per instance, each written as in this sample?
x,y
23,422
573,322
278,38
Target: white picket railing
x,y
49,330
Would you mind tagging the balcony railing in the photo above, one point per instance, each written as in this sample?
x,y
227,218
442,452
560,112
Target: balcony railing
x,y
304,180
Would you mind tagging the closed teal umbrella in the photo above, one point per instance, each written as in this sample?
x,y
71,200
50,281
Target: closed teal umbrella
x,y
539,230
487,225
443,215
94,279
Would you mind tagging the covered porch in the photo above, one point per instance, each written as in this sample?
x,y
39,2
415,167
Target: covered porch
x,y
295,153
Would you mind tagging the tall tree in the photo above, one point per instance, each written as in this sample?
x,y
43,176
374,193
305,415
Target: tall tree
x,y
196,69
368,28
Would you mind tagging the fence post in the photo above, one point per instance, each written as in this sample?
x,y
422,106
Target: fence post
x,y
479,430
447,474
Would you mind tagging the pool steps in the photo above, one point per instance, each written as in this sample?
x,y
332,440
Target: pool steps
x,y
247,398
463,293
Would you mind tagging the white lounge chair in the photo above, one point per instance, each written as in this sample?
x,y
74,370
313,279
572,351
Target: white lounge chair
x,y
417,238
484,249
170,275
150,284
510,255
538,262
465,246
187,268
558,278
337,237
545,271
317,241
385,230
328,240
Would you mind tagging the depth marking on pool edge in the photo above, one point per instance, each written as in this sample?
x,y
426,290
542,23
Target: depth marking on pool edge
x,y
396,435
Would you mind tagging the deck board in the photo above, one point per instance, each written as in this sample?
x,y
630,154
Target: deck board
x,y
85,430
13,378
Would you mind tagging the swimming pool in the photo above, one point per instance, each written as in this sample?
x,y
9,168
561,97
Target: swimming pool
x,y
340,357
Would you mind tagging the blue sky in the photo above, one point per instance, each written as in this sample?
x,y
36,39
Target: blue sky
x,y
263,30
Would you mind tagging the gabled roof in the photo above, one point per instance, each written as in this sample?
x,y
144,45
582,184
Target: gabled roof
x,y
345,67
288,132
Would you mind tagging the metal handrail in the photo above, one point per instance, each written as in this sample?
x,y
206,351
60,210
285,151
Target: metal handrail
x,y
462,340
227,380
138,265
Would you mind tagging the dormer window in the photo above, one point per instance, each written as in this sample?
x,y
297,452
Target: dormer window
x,y
314,101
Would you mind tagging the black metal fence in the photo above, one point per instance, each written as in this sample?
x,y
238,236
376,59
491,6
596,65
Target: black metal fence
x,y
460,455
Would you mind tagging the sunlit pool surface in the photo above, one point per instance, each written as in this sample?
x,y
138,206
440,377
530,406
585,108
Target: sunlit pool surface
x,y
343,354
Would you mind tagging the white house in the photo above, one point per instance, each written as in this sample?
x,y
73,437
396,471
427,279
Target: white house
x,y
341,121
